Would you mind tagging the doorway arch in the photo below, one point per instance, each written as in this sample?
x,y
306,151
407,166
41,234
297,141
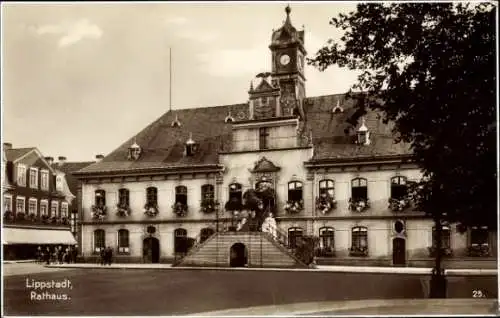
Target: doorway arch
x,y
399,251
238,255
151,250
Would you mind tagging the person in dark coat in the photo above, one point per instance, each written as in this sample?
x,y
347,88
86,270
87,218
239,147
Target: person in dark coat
x,y
103,256
47,255
109,255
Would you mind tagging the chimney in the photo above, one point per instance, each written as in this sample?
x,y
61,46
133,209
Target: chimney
x,y
62,160
7,146
50,160
98,158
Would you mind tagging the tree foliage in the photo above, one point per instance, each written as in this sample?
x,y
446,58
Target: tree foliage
x,y
430,68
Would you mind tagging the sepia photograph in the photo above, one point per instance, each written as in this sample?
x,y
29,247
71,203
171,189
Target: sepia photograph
x,y
249,158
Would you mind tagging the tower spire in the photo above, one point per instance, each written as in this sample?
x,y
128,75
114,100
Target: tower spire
x,y
288,10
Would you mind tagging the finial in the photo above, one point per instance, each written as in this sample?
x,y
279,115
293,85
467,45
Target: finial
x,y
251,85
190,141
288,9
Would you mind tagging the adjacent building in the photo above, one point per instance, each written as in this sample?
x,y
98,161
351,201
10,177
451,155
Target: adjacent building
x,y
186,174
36,203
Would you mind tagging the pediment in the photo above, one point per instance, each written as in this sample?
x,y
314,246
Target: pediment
x,y
265,165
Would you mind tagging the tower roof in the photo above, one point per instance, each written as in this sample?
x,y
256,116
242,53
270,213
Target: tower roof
x,y
287,34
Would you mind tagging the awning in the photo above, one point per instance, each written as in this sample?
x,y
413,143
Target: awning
x,y
37,236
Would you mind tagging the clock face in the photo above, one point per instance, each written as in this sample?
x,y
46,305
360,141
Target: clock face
x,y
284,59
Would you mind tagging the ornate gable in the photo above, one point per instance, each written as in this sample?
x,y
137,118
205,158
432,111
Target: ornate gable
x,y
264,165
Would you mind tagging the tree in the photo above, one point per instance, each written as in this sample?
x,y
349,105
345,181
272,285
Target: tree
x,y
430,69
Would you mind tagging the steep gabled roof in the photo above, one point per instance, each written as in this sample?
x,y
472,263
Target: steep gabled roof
x,y
16,153
163,145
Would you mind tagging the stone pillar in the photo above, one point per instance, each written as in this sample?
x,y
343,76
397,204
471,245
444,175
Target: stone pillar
x,y
310,200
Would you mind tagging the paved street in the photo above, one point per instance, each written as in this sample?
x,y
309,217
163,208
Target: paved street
x,y
171,292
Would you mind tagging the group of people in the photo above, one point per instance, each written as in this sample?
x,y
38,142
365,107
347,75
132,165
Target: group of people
x,y
106,256
57,254
250,222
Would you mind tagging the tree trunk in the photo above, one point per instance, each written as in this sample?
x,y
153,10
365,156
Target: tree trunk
x,y
438,279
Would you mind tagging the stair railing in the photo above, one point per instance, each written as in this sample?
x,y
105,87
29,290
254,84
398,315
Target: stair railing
x,y
191,243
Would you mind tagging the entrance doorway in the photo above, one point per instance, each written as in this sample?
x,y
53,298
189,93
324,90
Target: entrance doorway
x,y
238,255
151,250
399,251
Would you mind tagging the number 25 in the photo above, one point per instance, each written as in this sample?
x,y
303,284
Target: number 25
x,y
477,294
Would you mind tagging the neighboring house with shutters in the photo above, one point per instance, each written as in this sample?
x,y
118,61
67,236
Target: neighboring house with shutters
x,y
36,204
185,175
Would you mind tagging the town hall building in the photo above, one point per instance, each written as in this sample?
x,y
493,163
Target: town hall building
x,y
187,173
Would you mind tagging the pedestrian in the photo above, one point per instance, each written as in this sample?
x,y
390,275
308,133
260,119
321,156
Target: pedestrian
x,y
39,254
47,255
103,255
109,255
74,253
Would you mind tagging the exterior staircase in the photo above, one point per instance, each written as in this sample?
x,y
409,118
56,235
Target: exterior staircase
x,y
260,250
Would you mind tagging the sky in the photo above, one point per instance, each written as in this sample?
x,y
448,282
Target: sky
x,y
79,79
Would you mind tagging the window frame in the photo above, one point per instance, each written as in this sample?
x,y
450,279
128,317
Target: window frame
x,y
176,238
95,248
356,238
33,185
9,197
44,179
322,236
292,188
330,190
181,191
45,203
52,204
445,237
359,181
237,192
208,189
23,199
102,201
123,248
21,172
124,193
292,244
35,200
65,207
59,183
402,182
479,228
263,138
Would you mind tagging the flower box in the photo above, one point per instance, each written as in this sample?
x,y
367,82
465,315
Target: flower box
x,y
54,219
20,216
99,212
45,218
151,209
209,205
325,203
32,217
399,204
64,220
359,205
180,209
446,252
479,250
358,251
8,216
294,206
122,210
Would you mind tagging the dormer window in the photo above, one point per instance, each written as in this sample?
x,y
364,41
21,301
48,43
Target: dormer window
x,y
363,134
134,151
176,122
337,108
229,118
263,100
191,146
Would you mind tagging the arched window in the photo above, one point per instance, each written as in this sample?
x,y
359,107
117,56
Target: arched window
x,y
235,192
152,196
207,192
180,241
100,198
295,191
294,234
399,187
205,234
181,195
124,197
359,189
359,239
123,241
326,241
99,240
327,187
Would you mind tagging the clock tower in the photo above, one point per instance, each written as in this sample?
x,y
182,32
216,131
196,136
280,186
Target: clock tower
x,y
288,54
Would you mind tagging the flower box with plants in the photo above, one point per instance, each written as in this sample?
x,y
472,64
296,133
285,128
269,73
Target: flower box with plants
x,y
358,251
64,220
208,205
32,217
99,212
325,203
359,204
399,204
45,218
54,219
20,216
8,216
180,209
479,250
122,210
294,206
151,209
445,251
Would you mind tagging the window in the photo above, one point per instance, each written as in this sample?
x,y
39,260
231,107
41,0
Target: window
x,y
359,238
152,196
44,184
34,178
99,240
7,203
32,205
59,183
180,241
21,175
235,192
398,188
123,241
205,234
294,234
53,208
295,191
326,239
44,207
263,100
359,188
20,205
479,236
124,197
445,237
207,192
181,195
100,198
263,138
64,209
327,187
